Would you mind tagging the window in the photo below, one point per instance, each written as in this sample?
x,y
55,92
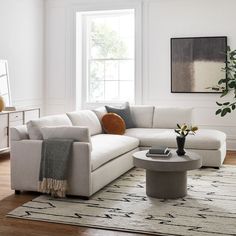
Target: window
x,y
108,44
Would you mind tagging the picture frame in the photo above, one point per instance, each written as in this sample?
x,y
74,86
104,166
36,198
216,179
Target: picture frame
x,y
196,63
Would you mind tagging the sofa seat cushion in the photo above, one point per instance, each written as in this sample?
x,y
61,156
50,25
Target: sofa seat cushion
x,y
204,139
147,136
109,146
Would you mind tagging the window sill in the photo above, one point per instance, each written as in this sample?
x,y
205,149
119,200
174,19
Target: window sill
x,y
93,105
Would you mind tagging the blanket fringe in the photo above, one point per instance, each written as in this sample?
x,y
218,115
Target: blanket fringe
x,y
57,188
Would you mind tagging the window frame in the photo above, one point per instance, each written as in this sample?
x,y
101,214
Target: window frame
x,y
86,45
81,80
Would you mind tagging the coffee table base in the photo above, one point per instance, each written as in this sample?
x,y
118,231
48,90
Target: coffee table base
x,y
169,185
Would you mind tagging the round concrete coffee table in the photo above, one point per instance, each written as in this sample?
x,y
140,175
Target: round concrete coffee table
x,y
166,177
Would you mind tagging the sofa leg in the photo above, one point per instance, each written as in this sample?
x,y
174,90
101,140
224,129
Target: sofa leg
x,y
84,198
79,197
17,192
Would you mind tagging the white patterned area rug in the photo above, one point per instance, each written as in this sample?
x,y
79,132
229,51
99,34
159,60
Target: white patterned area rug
x,y
208,209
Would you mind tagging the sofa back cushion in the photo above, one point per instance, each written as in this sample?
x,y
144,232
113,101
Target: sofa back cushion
x,y
80,134
124,112
142,115
34,126
18,133
86,118
169,117
100,112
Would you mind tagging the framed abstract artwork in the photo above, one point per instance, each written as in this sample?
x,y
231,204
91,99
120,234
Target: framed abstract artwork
x,y
196,63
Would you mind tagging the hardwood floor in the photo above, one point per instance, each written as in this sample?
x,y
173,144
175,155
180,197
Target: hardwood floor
x,y
230,158
13,227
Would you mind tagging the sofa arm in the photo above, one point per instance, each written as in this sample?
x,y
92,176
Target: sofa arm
x,y
79,176
25,164
19,133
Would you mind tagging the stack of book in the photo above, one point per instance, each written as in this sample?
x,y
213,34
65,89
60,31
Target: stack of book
x,y
158,152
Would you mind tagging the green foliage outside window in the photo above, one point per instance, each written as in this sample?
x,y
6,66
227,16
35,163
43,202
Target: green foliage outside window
x,y
107,42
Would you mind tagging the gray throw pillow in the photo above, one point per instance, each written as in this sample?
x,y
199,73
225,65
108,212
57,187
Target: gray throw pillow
x,y
124,113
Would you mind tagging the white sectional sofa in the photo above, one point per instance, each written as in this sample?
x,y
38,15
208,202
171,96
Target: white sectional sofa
x,y
102,158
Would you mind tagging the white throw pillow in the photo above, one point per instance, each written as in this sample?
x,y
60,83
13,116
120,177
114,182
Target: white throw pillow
x,y
86,118
76,133
169,117
34,126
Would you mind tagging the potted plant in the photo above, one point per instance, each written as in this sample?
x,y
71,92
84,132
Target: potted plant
x,y
227,86
183,131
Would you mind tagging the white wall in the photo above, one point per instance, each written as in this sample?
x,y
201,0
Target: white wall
x,y
162,19
21,43
60,48
183,18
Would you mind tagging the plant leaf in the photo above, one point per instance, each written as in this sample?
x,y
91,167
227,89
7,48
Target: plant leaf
x,y
224,93
224,112
221,81
183,127
218,111
176,131
215,89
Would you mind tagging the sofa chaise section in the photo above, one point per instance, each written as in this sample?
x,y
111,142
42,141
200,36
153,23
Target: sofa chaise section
x,y
210,144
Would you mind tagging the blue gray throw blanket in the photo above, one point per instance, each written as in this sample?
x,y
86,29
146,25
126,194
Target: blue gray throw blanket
x,y
55,157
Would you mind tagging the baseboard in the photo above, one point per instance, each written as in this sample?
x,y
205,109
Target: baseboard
x,y
231,145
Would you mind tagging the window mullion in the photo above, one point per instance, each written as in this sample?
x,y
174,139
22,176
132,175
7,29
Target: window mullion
x,y
104,81
119,80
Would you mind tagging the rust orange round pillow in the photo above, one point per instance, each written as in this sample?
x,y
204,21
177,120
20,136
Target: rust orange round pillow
x,y
113,124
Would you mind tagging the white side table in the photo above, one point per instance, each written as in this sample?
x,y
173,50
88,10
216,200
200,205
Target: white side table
x,y
10,119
